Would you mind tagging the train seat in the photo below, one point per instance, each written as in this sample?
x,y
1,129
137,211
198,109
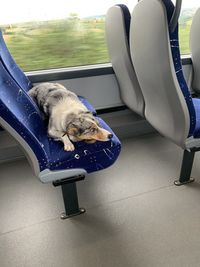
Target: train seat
x,y
20,116
117,33
155,53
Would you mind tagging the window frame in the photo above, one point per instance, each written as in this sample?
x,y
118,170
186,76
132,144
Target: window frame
x,y
37,76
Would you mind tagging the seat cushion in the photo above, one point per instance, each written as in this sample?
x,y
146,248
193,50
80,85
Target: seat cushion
x,y
20,112
91,157
196,102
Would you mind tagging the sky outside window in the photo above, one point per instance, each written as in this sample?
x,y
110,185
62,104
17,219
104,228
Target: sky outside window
x,y
34,10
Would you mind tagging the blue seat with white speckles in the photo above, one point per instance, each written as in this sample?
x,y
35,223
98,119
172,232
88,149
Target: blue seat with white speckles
x,y
11,66
21,117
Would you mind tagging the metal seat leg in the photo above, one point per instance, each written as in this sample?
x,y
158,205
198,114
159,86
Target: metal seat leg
x,y
70,196
186,168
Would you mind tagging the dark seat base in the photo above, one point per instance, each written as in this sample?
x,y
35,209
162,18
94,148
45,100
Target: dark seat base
x,y
70,196
64,216
186,167
179,183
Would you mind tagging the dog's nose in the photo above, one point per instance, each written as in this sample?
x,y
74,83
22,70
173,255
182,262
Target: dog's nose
x,y
110,136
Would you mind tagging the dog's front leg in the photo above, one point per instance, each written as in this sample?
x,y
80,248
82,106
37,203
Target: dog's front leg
x,y
68,146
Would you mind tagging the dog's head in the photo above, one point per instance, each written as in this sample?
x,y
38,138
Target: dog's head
x,y
85,127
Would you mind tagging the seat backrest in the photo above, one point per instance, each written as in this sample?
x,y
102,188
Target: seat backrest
x,y
117,33
21,118
13,69
195,50
156,58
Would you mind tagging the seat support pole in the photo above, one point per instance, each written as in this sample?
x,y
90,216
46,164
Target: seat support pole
x,y
186,168
70,197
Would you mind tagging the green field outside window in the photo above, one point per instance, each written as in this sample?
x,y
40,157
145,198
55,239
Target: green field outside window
x,y
69,42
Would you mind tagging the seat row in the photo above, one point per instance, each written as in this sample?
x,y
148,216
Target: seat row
x,y
144,51
145,54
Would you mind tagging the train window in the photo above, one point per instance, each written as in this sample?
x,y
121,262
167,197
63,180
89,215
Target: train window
x,y
55,34
188,10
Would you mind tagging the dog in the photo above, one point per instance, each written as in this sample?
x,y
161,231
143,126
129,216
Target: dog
x,y
68,119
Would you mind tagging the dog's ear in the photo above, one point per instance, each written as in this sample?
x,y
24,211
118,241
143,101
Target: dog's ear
x,y
71,129
89,112
97,122
70,119
92,117
84,115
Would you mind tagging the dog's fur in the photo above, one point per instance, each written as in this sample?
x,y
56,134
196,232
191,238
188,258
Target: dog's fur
x,y
69,119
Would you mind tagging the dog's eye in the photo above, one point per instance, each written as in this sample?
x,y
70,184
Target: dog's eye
x,y
92,130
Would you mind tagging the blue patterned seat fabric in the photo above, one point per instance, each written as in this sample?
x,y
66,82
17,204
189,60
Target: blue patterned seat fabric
x,y
196,103
91,157
11,66
19,111
23,115
193,104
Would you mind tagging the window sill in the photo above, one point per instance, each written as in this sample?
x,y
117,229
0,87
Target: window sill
x,y
70,73
80,71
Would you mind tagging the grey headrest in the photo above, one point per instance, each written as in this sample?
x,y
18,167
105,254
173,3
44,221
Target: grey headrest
x,y
117,33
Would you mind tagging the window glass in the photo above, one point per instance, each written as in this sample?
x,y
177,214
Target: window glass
x,y
189,8
43,34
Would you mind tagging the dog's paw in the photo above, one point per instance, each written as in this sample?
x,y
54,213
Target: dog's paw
x,y
69,147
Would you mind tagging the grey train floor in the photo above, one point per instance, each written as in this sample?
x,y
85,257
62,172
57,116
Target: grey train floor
x,y
135,215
